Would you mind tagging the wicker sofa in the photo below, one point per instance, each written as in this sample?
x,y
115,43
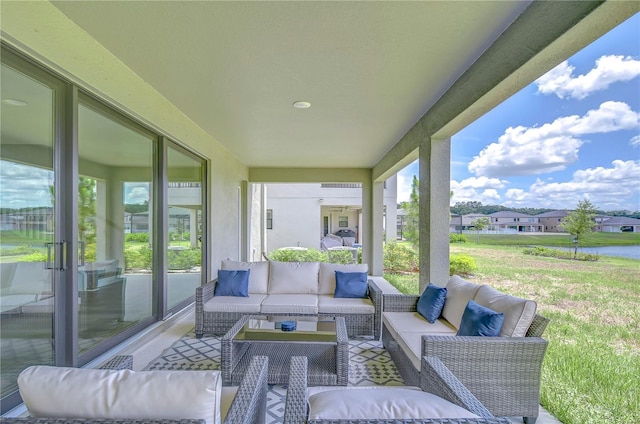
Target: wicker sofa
x,y
503,372
441,399
244,404
289,288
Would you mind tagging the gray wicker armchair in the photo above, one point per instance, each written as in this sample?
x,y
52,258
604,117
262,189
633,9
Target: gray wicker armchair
x,y
504,373
436,379
247,407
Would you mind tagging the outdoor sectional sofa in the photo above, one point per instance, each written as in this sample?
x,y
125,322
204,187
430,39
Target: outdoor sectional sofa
x,y
503,372
289,288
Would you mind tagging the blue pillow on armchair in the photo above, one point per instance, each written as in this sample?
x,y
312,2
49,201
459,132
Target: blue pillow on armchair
x,y
351,284
431,302
232,283
478,320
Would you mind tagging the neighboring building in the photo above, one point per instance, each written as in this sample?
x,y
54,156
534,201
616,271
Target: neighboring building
x,y
301,214
464,222
550,221
619,224
516,221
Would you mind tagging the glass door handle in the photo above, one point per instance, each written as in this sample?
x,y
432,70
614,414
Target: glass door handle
x,y
56,251
49,263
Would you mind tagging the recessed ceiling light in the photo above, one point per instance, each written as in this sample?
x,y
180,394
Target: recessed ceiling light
x,y
15,102
302,105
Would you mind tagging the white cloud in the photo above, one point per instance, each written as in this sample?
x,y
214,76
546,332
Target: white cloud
x,y
24,186
608,188
552,146
609,70
635,141
481,189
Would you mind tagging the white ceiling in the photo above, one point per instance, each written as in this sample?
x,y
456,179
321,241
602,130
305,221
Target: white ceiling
x,y
369,69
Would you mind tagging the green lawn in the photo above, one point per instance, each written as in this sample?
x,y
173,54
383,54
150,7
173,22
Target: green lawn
x,y
560,240
592,365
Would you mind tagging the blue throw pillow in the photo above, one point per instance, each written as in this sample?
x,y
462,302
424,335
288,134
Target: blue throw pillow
x,y
351,284
478,320
232,283
431,302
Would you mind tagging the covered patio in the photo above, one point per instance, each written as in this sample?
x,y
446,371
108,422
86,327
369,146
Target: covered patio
x,y
273,92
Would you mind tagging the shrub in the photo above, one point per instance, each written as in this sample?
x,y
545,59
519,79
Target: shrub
x,y
137,237
560,254
457,238
289,255
461,264
137,258
399,257
184,259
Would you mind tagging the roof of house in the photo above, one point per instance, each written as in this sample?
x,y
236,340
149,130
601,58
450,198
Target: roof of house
x,y
509,214
621,220
553,214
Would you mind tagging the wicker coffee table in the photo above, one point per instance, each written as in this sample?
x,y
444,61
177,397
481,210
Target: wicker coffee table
x,y
323,341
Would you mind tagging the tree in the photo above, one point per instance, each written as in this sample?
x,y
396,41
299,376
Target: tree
x,y
479,225
412,215
580,222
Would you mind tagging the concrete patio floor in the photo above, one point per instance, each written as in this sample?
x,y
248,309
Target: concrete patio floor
x,y
150,344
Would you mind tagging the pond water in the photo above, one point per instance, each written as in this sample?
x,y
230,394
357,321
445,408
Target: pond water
x,y
632,251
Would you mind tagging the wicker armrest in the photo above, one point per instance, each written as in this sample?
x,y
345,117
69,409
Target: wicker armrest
x,y
205,292
399,302
295,410
436,378
375,294
538,326
122,362
250,403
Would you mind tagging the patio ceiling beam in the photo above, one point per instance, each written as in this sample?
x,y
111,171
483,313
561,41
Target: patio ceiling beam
x,y
309,175
545,34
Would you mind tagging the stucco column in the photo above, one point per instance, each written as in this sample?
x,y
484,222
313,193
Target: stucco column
x,y
372,225
434,189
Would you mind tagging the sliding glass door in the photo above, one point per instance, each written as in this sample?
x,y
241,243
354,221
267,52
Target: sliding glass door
x,y
27,198
101,224
115,268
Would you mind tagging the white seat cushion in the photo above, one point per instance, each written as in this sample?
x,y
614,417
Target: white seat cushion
x,y
258,274
371,403
518,312
290,303
327,275
327,304
411,344
109,394
459,293
13,302
293,277
235,303
397,322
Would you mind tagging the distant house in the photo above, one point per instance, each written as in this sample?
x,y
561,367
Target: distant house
x,y
619,224
550,221
464,222
520,222
301,214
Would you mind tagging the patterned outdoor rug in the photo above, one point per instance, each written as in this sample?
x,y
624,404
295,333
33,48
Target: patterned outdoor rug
x,y
369,364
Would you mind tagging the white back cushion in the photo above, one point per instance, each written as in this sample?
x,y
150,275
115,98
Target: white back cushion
x,y
293,277
258,274
327,277
459,293
90,393
31,278
518,312
362,403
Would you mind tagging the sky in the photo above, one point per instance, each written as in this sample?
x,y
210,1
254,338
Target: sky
x,y
572,134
